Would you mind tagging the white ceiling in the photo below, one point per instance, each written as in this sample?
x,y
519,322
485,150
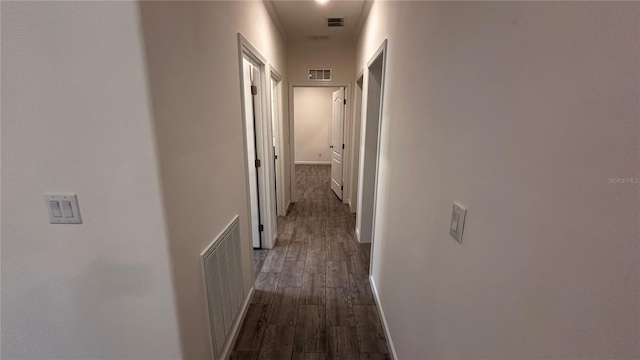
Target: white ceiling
x,y
300,19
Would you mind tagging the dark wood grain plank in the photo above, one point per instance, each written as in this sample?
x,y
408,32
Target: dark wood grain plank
x,y
282,242
300,234
265,288
366,250
309,356
316,256
315,266
339,308
313,289
255,323
297,251
334,232
356,264
274,261
337,275
372,356
360,290
316,244
291,275
371,337
311,331
285,306
260,255
286,225
342,343
243,355
277,343
257,267
336,251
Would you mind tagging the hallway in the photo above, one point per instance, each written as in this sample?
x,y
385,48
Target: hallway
x,y
313,299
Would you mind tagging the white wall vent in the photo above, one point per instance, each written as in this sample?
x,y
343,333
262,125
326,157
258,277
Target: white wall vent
x,y
335,22
224,286
320,74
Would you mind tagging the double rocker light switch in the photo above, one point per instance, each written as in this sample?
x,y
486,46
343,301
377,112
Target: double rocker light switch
x,y
63,209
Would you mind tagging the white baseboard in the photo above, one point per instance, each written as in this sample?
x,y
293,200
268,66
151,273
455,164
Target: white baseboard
x,y
286,208
237,325
392,349
305,162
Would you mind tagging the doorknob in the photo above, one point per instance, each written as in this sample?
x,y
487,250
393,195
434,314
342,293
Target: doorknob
x,y
330,146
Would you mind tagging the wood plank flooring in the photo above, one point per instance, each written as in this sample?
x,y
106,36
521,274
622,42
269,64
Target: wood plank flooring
x,y
313,299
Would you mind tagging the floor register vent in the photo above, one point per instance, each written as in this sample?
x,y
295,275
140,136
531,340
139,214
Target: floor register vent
x,y
223,280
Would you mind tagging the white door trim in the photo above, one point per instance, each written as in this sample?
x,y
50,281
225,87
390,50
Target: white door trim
x,y
279,135
380,53
267,201
354,142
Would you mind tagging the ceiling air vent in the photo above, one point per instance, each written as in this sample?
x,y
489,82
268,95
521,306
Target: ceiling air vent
x,y
335,22
320,74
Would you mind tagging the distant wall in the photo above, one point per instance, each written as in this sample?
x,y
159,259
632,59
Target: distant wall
x,y
313,110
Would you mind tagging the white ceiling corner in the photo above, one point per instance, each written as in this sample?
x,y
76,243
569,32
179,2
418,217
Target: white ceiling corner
x,y
268,4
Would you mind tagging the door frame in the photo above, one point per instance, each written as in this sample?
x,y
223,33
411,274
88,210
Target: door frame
x,y
266,190
279,135
354,162
292,140
380,54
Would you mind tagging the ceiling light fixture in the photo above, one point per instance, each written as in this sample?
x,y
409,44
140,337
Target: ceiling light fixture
x,y
322,1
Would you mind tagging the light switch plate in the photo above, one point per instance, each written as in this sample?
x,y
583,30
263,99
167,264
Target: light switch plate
x,y
63,209
457,222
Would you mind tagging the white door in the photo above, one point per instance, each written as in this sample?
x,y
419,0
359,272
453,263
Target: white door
x,y
337,142
251,76
274,132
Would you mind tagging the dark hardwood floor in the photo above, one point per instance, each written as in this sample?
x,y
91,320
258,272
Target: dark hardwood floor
x,y
313,300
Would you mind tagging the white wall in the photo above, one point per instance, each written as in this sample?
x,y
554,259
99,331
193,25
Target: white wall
x,y
76,118
312,114
194,76
520,112
338,56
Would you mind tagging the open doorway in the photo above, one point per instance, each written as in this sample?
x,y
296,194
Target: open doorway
x,y
370,149
318,131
